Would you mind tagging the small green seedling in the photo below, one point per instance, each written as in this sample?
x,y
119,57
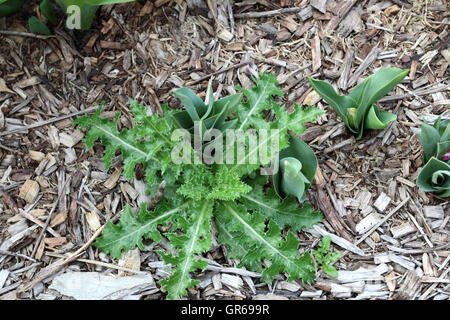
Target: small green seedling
x,y
435,175
435,139
358,110
326,258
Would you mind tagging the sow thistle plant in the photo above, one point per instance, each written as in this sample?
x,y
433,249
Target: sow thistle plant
x,y
358,110
435,175
256,221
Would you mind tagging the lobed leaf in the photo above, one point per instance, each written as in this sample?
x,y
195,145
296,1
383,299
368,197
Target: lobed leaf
x,y
285,213
148,142
196,239
131,229
258,99
250,232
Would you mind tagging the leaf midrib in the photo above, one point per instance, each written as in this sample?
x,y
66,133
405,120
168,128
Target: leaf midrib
x,y
247,226
189,253
252,110
123,142
146,225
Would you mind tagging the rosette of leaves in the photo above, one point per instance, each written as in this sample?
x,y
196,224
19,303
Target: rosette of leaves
x,y
435,175
298,165
252,222
358,110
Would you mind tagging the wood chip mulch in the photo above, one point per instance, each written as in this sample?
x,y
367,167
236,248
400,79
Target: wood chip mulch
x,y
394,237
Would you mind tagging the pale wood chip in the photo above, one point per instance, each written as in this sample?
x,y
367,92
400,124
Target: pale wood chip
x,y
29,191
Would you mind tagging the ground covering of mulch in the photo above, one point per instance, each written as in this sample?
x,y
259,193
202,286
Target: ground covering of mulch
x,y
394,237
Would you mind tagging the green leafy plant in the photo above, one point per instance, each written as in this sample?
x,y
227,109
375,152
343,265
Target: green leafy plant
x,y
358,110
326,258
435,139
435,175
253,223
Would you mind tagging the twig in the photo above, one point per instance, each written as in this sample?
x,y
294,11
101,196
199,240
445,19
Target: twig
x,y
46,122
267,13
19,255
238,65
25,34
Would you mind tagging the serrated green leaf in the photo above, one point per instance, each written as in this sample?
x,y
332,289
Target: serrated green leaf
x,y
196,239
227,185
131,229
294,121
325,258
286,213
258,98
330,270
282,253
196,184
145,143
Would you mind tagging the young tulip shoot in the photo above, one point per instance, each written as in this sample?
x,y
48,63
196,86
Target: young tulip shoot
x,y
435,177
298,165
358,110
435,140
